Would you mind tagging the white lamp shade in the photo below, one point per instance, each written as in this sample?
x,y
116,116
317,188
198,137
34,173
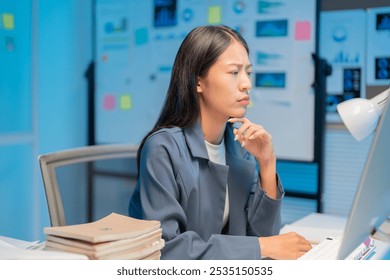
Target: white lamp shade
x,y
360,116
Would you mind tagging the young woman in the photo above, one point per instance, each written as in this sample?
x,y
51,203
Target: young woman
x,y
205,171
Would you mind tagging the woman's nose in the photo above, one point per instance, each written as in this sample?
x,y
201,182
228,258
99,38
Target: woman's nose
x,y
246,83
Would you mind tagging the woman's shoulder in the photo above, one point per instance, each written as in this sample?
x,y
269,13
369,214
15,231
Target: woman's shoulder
x,y
167,132
165,137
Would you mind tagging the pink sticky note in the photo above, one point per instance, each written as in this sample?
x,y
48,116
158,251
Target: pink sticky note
x,y
109,102
302,30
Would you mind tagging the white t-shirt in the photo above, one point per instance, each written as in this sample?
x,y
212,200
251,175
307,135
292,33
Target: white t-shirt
x,y
217,154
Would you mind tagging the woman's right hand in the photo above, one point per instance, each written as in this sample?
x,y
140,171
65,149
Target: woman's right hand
x,y
287,246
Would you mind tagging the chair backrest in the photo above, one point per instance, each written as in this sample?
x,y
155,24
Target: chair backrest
x,y
50,163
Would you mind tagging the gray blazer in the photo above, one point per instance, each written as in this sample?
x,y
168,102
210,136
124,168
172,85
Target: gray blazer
x,y
179,186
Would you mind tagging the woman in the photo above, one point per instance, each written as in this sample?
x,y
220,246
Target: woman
x,y
205,171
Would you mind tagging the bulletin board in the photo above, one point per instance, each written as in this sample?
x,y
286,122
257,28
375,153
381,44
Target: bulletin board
x,y
345,50
378,50
136,44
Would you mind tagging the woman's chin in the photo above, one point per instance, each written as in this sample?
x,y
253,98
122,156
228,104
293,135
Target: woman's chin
x,y
239,115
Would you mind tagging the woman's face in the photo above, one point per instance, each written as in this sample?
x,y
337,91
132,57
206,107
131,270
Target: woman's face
x,y
223,91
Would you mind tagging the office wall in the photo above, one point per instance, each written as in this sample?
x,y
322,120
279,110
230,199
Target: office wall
x,y
49,48
64,52
17,136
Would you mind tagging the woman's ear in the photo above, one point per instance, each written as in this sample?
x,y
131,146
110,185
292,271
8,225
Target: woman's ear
x,y
199,85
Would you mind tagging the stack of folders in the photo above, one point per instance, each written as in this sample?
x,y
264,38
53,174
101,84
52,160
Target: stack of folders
x,y
114,237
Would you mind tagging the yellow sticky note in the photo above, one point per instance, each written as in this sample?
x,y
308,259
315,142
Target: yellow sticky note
x,y
215,15
8,21
125,103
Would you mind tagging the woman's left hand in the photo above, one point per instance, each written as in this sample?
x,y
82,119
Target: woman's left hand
x,y
255,139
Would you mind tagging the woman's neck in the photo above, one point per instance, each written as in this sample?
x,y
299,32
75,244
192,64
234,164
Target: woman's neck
x,y
213,130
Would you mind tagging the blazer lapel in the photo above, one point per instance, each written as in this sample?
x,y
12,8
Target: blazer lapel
x,y
240,180
212,185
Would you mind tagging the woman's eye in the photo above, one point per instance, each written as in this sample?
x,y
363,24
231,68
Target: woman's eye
x,y
249,73
235,73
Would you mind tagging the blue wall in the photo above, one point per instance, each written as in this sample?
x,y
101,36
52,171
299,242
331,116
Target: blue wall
x,y
43,94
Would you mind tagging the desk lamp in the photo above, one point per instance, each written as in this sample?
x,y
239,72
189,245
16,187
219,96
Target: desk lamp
x,y
361,115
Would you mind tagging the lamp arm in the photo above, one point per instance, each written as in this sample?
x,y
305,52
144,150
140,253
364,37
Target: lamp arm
x,y
380,100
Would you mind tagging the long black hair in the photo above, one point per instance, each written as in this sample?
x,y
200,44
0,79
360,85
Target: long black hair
x,y
198,52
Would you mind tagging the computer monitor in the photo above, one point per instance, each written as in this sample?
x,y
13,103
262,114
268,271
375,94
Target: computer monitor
x,y
371,204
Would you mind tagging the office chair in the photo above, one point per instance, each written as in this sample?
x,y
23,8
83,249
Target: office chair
x,y
91,166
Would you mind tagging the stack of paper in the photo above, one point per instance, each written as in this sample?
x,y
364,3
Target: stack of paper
x,y
114,237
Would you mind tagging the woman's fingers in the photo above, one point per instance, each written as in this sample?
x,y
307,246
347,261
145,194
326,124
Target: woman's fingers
x,y
247,131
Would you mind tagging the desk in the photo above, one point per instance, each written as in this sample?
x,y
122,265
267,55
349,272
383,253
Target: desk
x,y
15,249
316,227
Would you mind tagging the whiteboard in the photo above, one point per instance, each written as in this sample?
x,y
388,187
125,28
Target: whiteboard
x,y
136,43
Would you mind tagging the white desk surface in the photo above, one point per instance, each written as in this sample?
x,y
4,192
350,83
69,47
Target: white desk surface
x,y
318,220
16,249
316,227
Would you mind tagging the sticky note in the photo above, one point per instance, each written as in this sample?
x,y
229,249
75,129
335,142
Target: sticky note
x,y
109,102
8,21
214,15
125,102
141,36
302,30
9,43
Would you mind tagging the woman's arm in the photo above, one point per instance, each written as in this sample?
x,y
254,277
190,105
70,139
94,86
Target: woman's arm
x,y
161,195
258,142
